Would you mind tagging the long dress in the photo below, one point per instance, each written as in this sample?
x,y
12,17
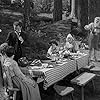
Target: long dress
x,y
3,96
28,89
93,41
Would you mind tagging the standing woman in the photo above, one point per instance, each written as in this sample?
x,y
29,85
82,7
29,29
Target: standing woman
x,y
94,29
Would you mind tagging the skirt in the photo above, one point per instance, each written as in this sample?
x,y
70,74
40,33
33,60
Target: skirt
x,y
29,92
93,41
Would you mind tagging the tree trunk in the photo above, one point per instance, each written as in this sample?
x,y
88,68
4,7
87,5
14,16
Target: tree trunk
x,y
94,9
83,13
77,12
72,15
57,14
26,14
1,77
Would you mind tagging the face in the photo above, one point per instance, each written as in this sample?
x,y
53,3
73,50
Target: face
x,y
53,45
17,28
97,21
70,40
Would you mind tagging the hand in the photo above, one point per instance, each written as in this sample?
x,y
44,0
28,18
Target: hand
x,y
21,39
30,81
78,52
0,30
85,27
48,55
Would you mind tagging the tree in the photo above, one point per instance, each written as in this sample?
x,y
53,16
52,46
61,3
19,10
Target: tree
x,y
79,11
26,14
72,15
57,13
83,13
94,9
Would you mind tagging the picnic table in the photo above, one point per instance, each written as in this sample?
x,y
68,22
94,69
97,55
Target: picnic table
x,y
55,74
81,61
56,71
60,70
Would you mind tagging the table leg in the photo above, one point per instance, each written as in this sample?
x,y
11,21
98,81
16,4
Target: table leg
x,y
82,89
72,97
93,84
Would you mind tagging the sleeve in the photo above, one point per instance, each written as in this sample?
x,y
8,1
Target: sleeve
x,y
76,46
18,72
89,26
8,38
65,46
8,77
24,36
49,51
57,49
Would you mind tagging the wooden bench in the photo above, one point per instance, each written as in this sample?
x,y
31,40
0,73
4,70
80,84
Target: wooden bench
x,y
96,70
88,67
82,80
63,91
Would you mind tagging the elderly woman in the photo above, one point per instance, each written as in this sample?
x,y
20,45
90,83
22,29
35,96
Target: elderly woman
x,y
28,87
94,29
3,96
2,46
70,44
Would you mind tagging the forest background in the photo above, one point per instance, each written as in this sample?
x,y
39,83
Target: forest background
x,y
44,20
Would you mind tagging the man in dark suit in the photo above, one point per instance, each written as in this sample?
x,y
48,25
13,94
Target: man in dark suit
x,y
15,39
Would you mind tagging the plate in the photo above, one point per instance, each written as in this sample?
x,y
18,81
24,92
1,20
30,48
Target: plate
x,y
46,61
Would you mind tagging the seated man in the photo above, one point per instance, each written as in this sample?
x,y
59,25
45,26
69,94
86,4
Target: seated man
x,y
53,51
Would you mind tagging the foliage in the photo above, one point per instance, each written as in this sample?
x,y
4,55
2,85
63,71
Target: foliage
x,y
38,6
41,30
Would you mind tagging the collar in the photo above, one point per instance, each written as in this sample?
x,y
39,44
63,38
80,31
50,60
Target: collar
x,y
18,33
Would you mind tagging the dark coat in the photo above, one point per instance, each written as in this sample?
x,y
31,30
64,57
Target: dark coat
x,y
13,41
1,77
